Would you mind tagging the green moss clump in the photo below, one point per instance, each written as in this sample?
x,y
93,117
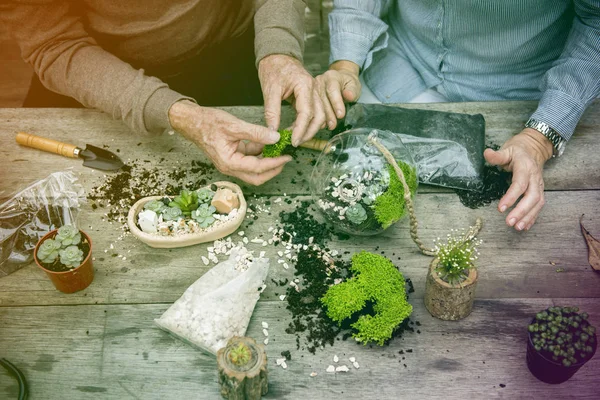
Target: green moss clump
x,y
389,207
376,280
276,149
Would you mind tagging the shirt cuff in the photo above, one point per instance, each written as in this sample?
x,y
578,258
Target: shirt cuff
x,y
350,47
559,110
276,41
156,110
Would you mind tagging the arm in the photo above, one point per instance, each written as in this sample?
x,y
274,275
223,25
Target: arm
x,y
356,31
568,88
70,62
279,45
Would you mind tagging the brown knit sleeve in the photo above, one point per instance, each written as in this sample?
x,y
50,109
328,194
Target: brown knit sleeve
x,y
70,62
279,26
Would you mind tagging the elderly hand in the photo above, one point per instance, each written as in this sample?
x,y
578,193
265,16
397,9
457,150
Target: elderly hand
x,y
284,78
523,154
231,144
339,83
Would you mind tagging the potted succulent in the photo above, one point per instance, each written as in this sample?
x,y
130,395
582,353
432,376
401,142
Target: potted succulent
x,y
242,369
560,340
452,276
65,255
192,217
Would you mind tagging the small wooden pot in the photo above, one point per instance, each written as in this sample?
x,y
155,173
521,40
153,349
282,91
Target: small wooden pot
x,y
246,382
446,301
69,281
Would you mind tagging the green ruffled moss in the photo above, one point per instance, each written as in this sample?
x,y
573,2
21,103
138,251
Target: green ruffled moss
x,y
376,280
389,207
275,150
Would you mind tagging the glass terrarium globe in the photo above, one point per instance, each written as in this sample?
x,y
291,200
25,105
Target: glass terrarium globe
x,y
356,188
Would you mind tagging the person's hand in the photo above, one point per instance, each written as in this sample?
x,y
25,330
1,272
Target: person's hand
x,y
340,83
231,144
284,78
523,154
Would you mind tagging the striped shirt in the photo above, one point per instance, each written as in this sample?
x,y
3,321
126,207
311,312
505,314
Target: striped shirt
x,y
476,50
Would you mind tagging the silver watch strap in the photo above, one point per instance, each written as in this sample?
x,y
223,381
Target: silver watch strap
x,y
554,137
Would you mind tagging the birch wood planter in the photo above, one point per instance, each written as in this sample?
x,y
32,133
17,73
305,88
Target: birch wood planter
x,y
446,301
248,381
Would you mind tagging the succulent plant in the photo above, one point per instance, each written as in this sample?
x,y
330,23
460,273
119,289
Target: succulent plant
x,y
68,235
456,256
71,257
187,202
563,334
172,213
155,205
48,251
205,195
240,355
356,214
204,215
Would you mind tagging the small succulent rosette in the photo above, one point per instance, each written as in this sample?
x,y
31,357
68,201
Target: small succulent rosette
x,y
64,248
356,188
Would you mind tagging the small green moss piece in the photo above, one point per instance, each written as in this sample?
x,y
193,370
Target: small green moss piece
x,y
390,206
275,150
377,280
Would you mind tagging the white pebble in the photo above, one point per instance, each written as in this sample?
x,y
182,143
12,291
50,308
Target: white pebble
x,y
352,359
266,341
280,361
241,233
342,368
282,297
313,374
355,365
280,253
336,358
283,365
262,254
204,260
331,368
265,325
265,332
285,265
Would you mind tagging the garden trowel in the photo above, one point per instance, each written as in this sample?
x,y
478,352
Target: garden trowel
x,y
92,156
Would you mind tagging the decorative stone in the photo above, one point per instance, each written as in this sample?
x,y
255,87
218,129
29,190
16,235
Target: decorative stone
x,y
148,221
225,200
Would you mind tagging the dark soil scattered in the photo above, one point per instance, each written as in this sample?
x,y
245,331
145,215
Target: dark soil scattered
x,y
495,183
121,190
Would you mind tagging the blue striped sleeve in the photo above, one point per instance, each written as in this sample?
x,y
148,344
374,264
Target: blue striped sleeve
x,y
573,82
355,26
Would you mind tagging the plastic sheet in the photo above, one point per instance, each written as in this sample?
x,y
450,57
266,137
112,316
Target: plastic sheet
x,y
217,306
447,147
30,214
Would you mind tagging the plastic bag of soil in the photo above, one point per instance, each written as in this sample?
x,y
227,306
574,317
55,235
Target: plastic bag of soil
x,y
217,306
447,147
45,205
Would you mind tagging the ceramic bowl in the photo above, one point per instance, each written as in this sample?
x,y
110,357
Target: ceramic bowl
x,y
214,232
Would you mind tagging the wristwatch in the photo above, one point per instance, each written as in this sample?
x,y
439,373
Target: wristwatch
x,y
558,143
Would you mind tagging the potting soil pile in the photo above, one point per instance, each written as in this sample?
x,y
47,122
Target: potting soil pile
x,y
217,306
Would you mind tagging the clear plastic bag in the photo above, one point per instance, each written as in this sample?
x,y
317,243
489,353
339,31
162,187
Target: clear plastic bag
x,y
217,306
30,214
447,147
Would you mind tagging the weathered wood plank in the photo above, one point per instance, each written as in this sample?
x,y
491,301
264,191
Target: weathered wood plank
x,y
116,352
512,264
578,169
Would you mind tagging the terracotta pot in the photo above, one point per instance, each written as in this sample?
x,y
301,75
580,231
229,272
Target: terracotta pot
x,y
69,281
446,301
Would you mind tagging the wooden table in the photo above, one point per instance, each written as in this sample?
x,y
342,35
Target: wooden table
x,y
102,342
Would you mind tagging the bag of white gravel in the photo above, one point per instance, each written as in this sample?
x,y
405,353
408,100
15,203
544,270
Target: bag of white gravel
x,y
219,305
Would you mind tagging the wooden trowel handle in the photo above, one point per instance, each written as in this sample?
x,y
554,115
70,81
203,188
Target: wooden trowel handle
x,y
314,144
45,144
